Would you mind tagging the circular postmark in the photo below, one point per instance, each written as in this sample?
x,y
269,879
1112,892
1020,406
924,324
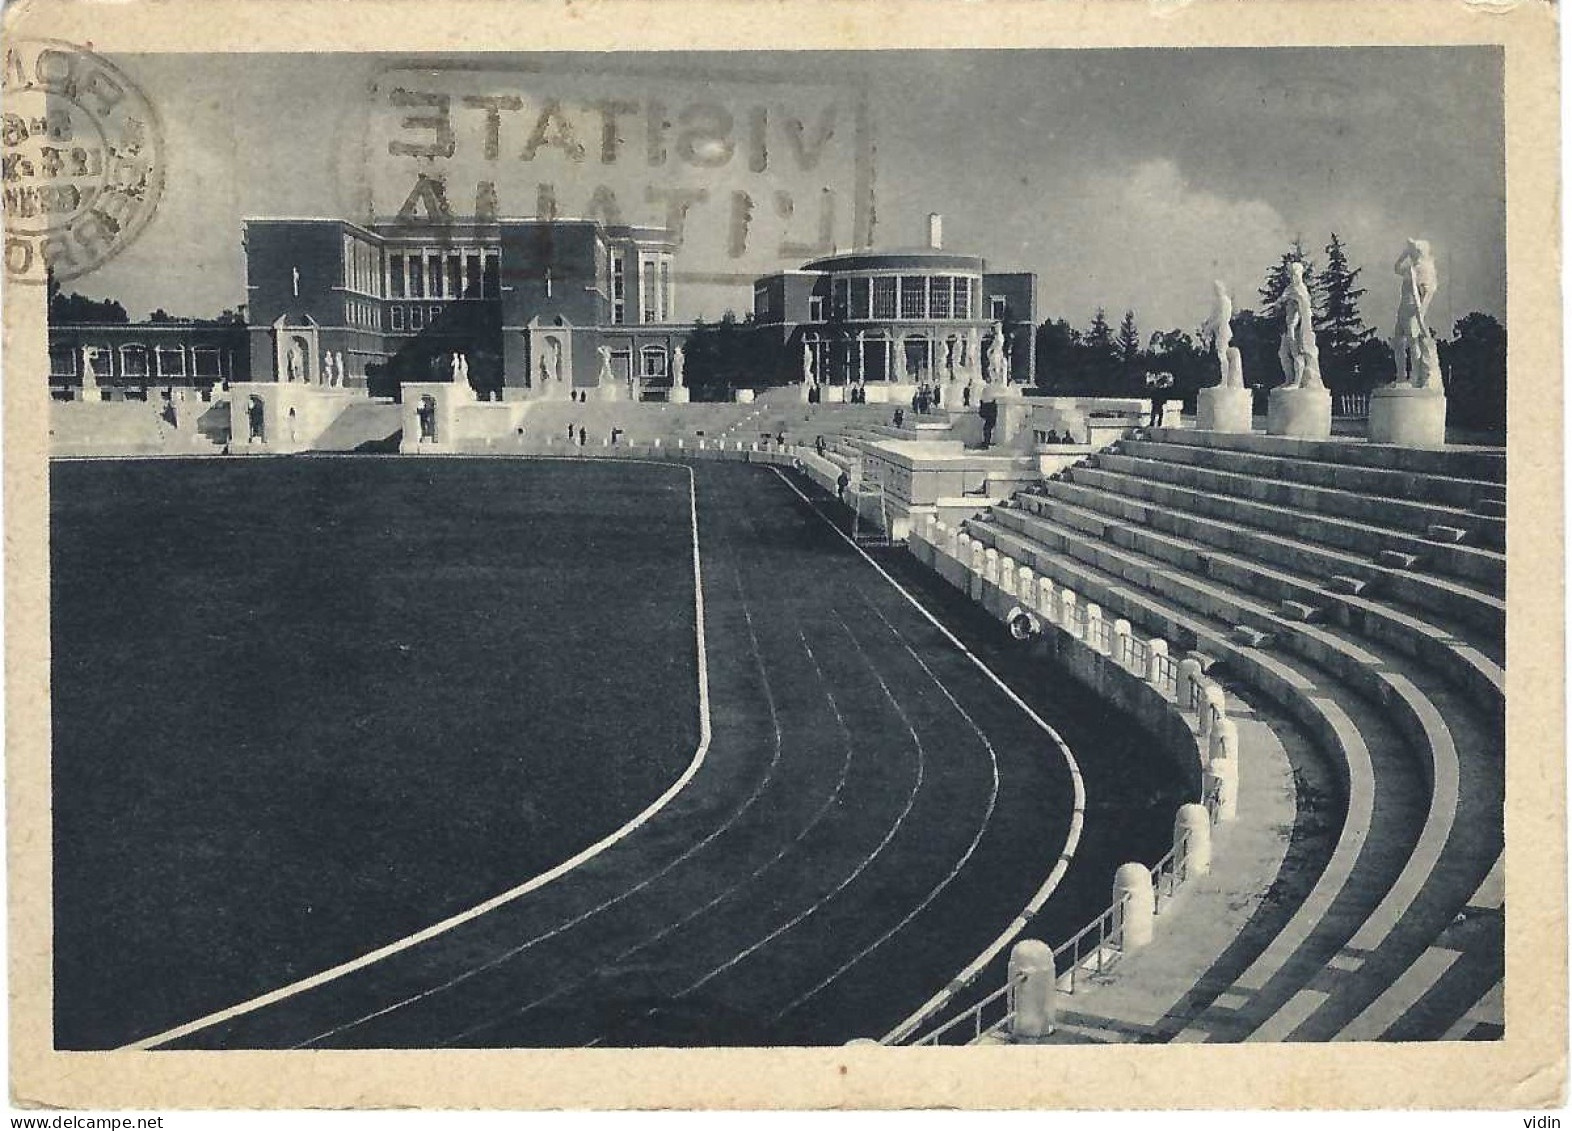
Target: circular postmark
x,y
83,160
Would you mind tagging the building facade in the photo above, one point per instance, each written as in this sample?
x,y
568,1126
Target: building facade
x,y
911,317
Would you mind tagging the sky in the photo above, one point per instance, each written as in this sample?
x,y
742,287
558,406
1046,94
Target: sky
x,y
1126,179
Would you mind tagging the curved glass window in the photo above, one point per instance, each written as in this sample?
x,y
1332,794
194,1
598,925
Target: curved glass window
x,y
914,296
939,296
884,297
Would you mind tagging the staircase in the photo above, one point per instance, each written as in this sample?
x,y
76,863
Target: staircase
x,y
1361,590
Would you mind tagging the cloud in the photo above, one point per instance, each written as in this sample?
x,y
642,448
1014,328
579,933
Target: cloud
x,y
1146,240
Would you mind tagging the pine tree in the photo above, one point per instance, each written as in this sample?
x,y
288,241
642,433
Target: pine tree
x,y
1277,278
1101,358
1340,326
1129,342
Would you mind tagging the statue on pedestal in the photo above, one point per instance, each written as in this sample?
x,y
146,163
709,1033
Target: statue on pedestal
x,y
997,373
1219,332
293,364
89,376
951,346
338,368
1413,346
1300,358
678,362
807,366
604,377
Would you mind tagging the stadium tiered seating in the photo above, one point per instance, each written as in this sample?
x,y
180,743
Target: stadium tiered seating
x,y
1361,588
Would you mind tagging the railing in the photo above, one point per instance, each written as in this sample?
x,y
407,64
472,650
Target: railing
x,y
974,1015
1352,405
1170,872
1135,658
1101,635
1108,931
1168,675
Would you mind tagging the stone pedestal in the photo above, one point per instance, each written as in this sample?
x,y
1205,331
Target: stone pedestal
x,y
1223,408
803,391
679,395
1306,413
1415,418
743,396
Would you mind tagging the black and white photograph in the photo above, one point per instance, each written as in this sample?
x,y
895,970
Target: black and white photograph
x,y
606,543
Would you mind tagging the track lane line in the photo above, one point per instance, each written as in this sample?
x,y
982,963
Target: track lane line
x,y
333,973
1078,786
982,828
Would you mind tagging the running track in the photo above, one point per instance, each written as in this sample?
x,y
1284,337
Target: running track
x,y
871,813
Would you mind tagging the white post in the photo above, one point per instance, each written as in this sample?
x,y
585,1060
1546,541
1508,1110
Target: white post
x,y
1140,912
990,570
1046,601
1094,627
1193,838
1212,707
1121,644
1222,781
1007,569
1156,653
1025,584
1067,612
978,552
1036,1005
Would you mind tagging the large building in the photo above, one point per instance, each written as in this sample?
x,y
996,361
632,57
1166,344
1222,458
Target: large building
x,y
905,316
537,307
540,308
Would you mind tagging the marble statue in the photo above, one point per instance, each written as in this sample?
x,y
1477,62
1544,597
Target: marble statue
x,y
973,353
545,374
1413,346
604,377
678,361
951,348
292,364
455,370
996,373
807,366
1235,375
89,375
1300,358
338,366
1218,330
464,368
325,375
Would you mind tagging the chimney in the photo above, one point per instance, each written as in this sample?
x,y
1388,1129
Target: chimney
x,y
935,231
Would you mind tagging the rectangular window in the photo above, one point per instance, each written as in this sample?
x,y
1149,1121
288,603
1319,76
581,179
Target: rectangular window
x,y
997,308
491,277
649,294
62,361
939,297
133,361
914,296
396,276
473,286
815,308
171,361
665,289
455,278
417,278
416,318
433,275
206,362
859,300
840,297
349,261
433,315
884,297
396,317
963,298
619,288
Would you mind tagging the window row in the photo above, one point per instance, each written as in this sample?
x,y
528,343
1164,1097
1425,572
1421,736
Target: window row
x,y
140,361
413,317
362,266
367,315
450,274
880,297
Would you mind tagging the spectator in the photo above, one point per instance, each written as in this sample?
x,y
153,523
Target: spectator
x,y
583,436
843,482
966,395
780,438
900,418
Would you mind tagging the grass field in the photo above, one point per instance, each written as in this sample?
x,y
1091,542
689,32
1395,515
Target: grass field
x,y
872,810
304,707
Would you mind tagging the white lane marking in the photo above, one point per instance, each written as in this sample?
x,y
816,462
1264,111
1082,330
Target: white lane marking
x,y
1398,998
1077,810
1490,1009
757,792
993,799
900,820
532,884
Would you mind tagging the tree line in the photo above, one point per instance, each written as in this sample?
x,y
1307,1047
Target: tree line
x,y
1119,361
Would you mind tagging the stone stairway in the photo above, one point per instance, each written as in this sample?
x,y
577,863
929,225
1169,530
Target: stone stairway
x,y
1361,589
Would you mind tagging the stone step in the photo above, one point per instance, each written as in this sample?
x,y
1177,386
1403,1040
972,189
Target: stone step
x,y
1482,463
1343,583
1477,565
1448,490
1495,507
1250,637
1396,559
1300,611
1469,665
1386,511
1290,550
1438,532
